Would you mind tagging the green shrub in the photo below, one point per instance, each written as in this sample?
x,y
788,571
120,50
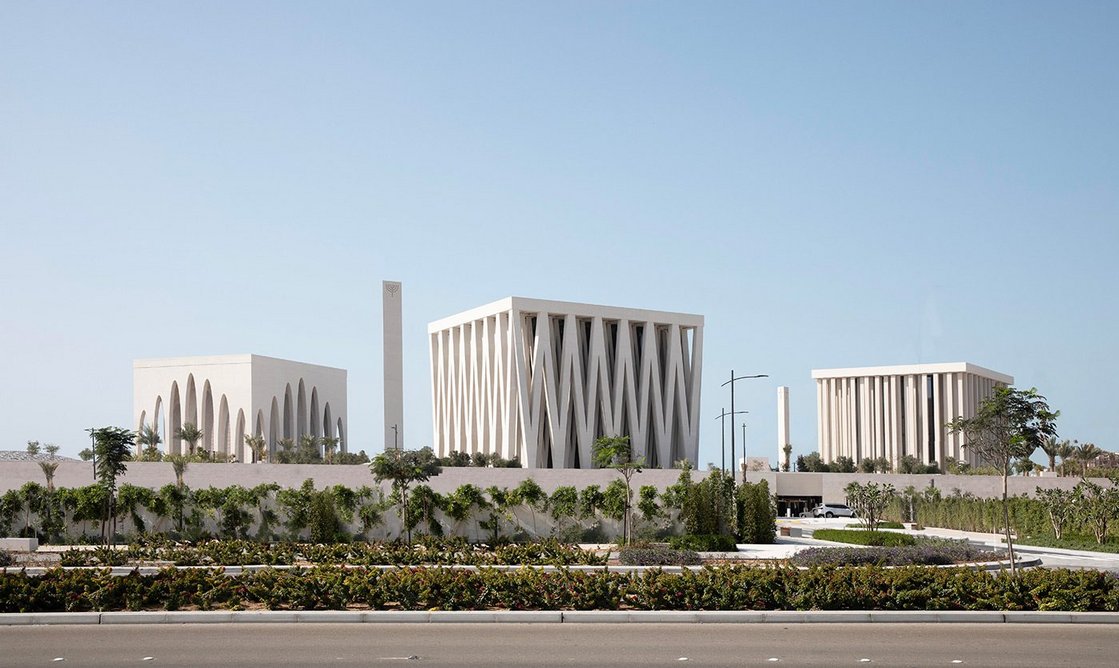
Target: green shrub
x,y
881,525
6,558
703,543
657,556
757,513
863,537
711,588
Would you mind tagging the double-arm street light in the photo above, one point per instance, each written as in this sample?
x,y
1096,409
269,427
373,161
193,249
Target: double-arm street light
x,y
723,417
733,378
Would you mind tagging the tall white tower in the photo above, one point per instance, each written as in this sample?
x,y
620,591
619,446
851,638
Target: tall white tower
x,y
782,425
392,348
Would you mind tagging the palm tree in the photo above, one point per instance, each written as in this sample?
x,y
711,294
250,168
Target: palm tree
x,y
191,434
329,445
1051,447
1088,452
179,465
1065,451
257,447
49,468
148,440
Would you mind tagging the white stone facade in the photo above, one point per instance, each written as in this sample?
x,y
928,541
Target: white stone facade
x,y
893,411
542,380
228,396
392,354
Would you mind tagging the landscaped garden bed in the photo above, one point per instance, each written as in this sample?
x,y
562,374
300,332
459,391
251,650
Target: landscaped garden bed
x,y
712,588
428,551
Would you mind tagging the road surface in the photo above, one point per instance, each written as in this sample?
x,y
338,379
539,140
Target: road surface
x,y
321,644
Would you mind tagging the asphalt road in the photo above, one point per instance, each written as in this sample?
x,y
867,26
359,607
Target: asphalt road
x,y
1020,645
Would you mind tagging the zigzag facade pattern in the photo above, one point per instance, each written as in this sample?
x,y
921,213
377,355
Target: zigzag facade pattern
x,y
542,380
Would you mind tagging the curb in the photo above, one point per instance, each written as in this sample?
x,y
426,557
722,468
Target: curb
x,y
561,617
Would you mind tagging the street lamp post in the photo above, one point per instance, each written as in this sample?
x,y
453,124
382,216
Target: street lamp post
x,y
745,461
731,383
723,417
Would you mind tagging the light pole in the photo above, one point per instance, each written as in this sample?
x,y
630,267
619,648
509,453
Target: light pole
x,y
395,438
745,462
731,383
723,417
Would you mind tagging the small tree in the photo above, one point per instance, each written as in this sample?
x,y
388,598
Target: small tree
x,y
1009,424
869,501
112,446
1097,505
1086,453
1060,505
403,468
532,495
786,450
147,443
1051,447
33,448
329,445
257,446
616,452
179,466
190,433
1065,451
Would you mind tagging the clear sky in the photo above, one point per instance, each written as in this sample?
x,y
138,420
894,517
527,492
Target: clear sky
x,y
830,184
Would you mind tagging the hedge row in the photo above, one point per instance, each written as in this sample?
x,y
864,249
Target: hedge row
x,y
864,537
428,550
723,588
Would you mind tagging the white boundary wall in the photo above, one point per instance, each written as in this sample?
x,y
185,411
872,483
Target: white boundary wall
x,y
542,380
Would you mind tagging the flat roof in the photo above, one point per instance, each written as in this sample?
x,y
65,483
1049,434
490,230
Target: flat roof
x,y
216,360
527,304
909,369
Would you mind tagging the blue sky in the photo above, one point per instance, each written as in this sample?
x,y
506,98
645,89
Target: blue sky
x,y
830,184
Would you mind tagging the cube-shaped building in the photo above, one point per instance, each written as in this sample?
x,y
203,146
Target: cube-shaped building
x,y
229,396
894,411
541,380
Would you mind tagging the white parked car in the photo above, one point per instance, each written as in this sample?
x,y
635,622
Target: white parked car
x,y
832,510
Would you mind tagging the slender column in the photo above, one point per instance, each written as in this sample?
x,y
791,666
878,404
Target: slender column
x,y
923,417
821,429
911,416
393,364
863,441
938,421
879,431
833,418
852,418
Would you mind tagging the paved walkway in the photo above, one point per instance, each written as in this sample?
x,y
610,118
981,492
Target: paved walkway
x,y
1053,557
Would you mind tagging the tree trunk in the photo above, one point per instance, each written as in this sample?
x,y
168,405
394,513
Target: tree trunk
x,y
1006,524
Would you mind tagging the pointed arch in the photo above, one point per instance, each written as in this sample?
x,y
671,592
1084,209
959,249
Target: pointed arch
x,y
159,423
273,428
208,418
222,445
300,411
190,412
316,424
341,437
327,423
139,430
175,422
289,414
239,437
